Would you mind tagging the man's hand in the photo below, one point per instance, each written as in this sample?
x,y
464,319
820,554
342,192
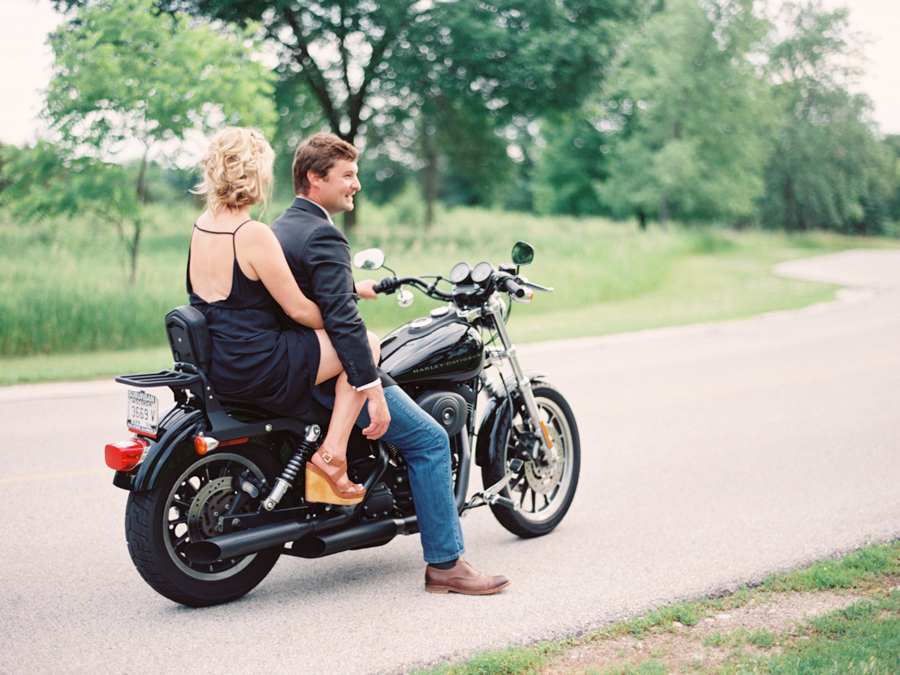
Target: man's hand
x,y
365,289
379,415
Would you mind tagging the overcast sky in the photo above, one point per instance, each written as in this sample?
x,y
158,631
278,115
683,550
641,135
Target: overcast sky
x,y
25,61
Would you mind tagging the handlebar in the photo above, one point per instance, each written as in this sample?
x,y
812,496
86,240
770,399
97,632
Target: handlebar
x,y
390,284
386,286
505,282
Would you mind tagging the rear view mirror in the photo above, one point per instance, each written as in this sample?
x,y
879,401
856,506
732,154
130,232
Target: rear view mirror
x,y
522,253
369,259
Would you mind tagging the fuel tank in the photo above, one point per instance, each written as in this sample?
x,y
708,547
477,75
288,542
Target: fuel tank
x,y
436,347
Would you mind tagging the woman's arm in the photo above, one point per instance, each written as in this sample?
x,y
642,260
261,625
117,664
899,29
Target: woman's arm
x,y
261,252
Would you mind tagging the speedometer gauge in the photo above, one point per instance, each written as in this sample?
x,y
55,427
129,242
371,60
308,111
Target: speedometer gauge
x,y
460,273
482,272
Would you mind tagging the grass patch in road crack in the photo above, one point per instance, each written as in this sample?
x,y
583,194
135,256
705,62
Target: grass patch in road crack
x,y
835,617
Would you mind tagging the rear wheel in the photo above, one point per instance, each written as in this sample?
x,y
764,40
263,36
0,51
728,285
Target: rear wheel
x,y
185,508
544,488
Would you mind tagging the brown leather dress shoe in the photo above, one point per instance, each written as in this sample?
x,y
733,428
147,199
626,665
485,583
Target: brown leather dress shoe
x,y
463,578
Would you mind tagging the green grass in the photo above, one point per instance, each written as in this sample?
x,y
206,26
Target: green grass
x,y
864,637
86,366
67,311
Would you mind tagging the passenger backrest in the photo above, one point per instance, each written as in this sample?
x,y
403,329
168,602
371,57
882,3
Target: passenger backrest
x,y
189,337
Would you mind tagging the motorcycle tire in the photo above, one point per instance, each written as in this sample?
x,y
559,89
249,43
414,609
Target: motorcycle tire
x,y
543,488
160,523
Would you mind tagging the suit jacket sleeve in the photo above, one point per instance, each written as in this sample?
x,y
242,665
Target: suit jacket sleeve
x,y
327,262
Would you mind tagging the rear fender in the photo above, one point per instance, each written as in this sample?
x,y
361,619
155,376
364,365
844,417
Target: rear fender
x,y
176,442
164,454
485,449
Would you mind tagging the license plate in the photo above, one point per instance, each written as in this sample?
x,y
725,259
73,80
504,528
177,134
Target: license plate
x,y
143,413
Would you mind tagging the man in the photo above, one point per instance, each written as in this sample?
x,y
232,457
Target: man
x,y
325,180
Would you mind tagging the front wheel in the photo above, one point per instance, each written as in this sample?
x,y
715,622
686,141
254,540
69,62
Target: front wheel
x,y
185,508
544,488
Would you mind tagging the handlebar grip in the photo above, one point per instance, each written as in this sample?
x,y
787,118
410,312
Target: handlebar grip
x,y
386,286
514,288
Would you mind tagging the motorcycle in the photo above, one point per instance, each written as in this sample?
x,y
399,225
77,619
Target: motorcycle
x,y
217,486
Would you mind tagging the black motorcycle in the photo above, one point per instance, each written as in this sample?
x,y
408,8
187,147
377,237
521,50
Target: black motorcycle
x,y
216,486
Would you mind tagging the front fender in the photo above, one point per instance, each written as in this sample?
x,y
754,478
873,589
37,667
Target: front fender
x,y
485,447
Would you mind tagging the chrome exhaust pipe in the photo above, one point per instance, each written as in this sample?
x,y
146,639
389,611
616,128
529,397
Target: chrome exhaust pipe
x,y
248,541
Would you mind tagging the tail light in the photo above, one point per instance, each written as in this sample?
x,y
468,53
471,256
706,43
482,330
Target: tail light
x,y
126,455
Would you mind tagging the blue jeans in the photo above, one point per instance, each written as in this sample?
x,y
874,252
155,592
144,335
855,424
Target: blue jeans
x,y
426,449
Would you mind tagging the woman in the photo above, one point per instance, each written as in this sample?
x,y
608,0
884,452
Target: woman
x,y
239,279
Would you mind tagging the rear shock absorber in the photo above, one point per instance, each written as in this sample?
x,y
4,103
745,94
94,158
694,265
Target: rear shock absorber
x,y
286,480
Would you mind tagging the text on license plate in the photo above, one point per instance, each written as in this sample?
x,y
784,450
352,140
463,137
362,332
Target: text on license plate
x,y
143,413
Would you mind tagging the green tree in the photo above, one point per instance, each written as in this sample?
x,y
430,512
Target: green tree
x,y
370,64
687,125
46,181
892,149
827,169
126,77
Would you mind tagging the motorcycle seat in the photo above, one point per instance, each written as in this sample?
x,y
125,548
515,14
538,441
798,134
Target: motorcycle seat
x,y
188,337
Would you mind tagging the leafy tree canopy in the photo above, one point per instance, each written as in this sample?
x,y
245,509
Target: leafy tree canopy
x,y
695,107
827,170
122,73
362,58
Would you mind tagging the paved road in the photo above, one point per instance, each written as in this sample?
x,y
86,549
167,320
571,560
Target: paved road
x,y
713,456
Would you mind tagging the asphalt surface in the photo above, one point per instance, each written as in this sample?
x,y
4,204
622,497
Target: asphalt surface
x,y
713,456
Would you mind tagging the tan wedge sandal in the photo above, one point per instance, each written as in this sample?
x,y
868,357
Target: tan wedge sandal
x,y
321,488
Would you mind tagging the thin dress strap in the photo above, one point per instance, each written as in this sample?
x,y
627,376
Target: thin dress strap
x,y
190,286
233,248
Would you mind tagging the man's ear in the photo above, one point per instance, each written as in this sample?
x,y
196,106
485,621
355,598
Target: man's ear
x,y
313,178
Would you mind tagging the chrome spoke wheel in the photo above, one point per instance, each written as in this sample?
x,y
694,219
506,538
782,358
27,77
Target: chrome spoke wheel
x,y
203,493
186,507
544,487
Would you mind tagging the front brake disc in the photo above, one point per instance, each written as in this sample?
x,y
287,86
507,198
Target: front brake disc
x,y
542,475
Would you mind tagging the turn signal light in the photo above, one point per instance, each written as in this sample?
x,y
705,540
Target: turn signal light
x,y
525,299
126,455
204,444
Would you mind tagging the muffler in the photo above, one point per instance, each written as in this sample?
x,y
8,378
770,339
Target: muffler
x,y
373,533
248,541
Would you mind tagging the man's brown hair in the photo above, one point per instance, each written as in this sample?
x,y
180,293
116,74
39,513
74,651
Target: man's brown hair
x,y
318,154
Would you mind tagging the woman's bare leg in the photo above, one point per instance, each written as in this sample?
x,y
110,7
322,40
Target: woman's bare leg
x,y
347,404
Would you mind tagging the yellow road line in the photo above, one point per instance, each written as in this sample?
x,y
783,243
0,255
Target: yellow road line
x,y
46,476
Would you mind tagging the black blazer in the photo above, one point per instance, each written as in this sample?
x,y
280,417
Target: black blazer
x,y
319,256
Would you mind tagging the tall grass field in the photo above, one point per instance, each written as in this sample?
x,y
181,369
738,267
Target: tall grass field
x,y
68,311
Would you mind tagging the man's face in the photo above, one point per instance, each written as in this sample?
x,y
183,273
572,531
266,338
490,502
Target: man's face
x,y
335,191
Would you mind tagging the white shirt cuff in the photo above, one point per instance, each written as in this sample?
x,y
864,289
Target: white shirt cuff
x,y
363,387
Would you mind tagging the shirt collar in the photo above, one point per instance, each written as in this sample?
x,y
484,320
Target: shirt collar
x,y
321,208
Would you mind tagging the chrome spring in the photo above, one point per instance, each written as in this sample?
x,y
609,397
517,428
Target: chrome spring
x,y
286,480
393,453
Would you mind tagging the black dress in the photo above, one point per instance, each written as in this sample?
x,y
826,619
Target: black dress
x,y
254,358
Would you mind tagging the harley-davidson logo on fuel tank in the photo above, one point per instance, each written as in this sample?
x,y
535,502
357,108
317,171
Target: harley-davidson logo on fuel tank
x,y
446,348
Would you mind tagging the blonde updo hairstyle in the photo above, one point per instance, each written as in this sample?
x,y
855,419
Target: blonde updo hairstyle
x,y
237,170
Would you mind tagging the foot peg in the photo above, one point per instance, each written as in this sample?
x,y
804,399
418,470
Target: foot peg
x,y
491,495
